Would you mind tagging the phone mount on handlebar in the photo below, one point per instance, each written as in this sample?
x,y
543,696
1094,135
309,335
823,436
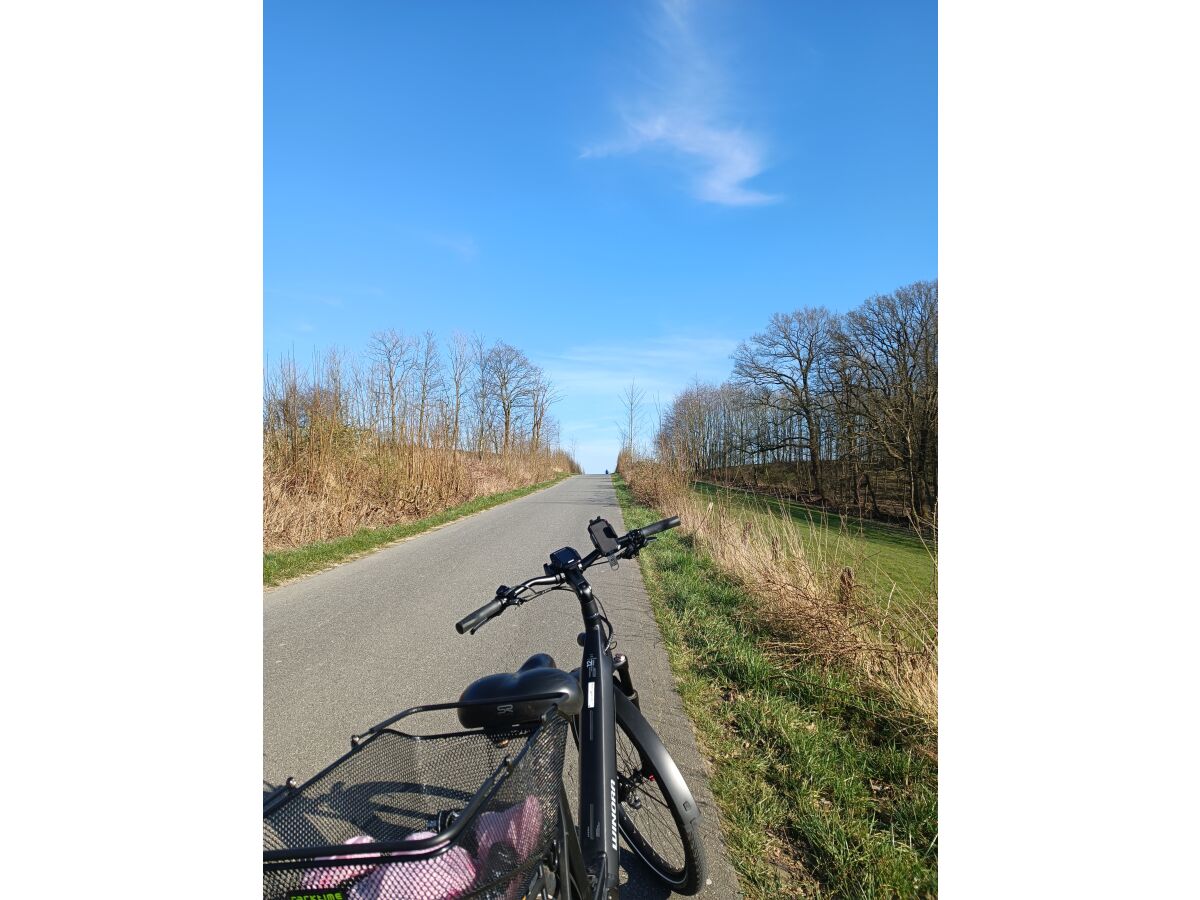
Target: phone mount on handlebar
x,y
604,539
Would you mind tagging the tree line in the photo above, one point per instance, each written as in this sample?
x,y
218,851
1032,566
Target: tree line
x,y
840,408
406,428
406,391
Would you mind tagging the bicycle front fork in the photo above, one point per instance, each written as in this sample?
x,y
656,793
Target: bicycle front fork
x,y
624,679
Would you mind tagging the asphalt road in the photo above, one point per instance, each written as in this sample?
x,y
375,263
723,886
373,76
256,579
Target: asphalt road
x,y
347,648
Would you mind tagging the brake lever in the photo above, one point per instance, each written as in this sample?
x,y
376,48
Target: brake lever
x,y
512,597
635,548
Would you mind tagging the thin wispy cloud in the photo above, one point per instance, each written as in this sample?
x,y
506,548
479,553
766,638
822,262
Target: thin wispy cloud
x,y
307,298
462,245
685,108
661,366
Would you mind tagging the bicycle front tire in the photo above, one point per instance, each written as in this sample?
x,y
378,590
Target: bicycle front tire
x,y
657,817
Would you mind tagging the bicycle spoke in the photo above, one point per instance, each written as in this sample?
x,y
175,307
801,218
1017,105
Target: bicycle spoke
x,y
653,820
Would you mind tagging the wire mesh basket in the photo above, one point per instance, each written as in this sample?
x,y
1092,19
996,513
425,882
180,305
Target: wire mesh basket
x,y
406,816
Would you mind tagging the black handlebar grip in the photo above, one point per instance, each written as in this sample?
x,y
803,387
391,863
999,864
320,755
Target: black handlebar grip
x,y
469,623
656,527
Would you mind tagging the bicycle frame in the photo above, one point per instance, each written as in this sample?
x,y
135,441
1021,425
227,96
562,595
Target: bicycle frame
x,y
592,855
598,831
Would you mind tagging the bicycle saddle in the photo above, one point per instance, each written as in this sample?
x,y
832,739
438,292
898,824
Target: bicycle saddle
x,y
537,675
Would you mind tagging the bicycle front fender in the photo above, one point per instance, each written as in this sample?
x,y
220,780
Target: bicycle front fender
x,y
673,783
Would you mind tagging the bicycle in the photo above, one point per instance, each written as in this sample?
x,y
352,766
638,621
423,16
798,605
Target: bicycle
x,y
514,836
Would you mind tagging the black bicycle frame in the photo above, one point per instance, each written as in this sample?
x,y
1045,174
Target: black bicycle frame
x,y
596,851
597,748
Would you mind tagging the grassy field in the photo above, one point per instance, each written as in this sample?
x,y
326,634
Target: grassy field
x,y
824,790
282,565
890,559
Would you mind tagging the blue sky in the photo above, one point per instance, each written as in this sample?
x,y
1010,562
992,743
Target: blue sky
x,y
621,189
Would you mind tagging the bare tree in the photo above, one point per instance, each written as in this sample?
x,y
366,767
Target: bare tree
x,y
429,384
392,354
481,391
460,357
513,377
786,366
632,401
542,395
889,354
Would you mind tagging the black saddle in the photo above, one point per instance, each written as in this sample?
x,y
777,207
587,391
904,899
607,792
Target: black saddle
x,y
537,676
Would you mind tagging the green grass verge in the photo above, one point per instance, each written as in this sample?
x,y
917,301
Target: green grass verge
x,y
885,555
284,564
821,792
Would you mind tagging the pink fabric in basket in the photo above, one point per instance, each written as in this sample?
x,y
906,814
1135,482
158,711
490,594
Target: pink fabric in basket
x,y
444,877
518,826
323,879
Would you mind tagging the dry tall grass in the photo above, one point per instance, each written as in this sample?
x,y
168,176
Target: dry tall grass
x,y
807,597
383,440
364,486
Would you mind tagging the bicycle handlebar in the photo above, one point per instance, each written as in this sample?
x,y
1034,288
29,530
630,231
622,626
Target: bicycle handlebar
x,y
630,543
655,527
505,597
472,622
